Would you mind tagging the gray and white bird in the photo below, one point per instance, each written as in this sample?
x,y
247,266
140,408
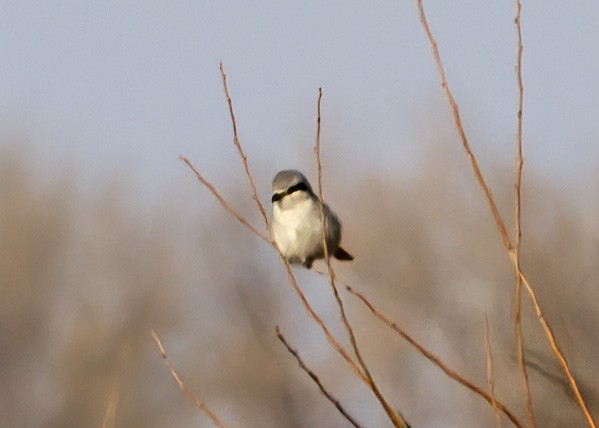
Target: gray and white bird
x,y
296,224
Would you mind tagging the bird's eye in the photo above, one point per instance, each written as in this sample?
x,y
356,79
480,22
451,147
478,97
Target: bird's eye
x,y
277,197
301,186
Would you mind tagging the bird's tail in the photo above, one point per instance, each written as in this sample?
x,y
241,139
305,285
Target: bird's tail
x,y
341,254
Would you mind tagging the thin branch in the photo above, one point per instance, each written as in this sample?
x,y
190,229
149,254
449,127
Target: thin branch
x,y
491,373
244,158
116,380
434,359
196,401
330,338
557,352
317,152
458,123
394,416
520,161
315,378
520,350
498,220
224,203
518,225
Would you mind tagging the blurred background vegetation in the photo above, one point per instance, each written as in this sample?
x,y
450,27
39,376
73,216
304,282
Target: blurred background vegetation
x,y
86,273
105,234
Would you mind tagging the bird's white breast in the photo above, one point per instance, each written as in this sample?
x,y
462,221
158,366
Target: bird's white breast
x,y
292,226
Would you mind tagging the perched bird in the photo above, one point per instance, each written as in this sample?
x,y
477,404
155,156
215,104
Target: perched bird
x,y
296,224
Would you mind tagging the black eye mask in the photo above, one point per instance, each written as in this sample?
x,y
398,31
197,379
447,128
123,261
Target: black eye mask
x,y
301,186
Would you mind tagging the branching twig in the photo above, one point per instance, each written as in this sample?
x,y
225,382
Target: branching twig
x,y
227,207
520,346
116,382
391,413
557,352
458,123
244,158
491,373
196,401
330,338
434,359
224,203
315,378
518,225
498,220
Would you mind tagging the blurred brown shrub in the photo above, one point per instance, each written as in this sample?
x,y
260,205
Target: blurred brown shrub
x,y
85,276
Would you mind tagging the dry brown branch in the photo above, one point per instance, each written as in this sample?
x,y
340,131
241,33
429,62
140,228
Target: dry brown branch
x,y
498,220
227,207
332,341
557,352
224,203
317,150
518,225
491,373
244,158
391,413
315,378
520,348
196,401
520,160
458,123
330,338
116,381
434,359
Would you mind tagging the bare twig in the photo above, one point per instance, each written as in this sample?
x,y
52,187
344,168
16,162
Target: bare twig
x,y
244,158
116,381
196,401
227,207
458,123
498,220
317,146
292,280
434,359
557,352
520,346
315,378
330,338
224,203
518,225
391,413
491,373
520,160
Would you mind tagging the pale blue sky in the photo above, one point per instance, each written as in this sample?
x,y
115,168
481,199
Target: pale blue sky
x,y
115,85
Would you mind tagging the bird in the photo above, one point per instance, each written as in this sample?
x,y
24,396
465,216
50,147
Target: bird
x,y
296,225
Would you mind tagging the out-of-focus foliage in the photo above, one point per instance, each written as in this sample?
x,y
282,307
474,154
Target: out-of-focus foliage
x,y
85,276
